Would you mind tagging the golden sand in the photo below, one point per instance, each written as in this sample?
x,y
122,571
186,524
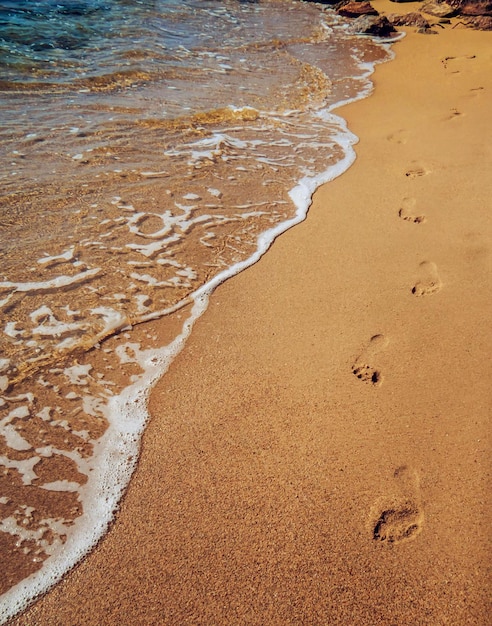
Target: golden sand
x,y
319,453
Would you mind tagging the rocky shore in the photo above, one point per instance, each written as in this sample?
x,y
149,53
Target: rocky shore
x,y
429,16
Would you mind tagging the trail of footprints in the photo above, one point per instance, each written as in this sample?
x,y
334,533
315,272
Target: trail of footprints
x,y
398,516
428,281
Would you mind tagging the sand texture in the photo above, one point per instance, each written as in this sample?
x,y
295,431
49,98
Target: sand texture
x,y
319,453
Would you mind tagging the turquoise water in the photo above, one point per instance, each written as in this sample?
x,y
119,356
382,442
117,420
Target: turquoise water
x,y
148,151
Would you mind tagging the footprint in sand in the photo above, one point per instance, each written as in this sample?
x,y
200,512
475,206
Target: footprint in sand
x,y
429,281
476,91
399,516
416,171
408,211
449,62
363,368
453,115
399,136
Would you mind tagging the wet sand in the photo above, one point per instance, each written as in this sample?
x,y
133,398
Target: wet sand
x,y
319,453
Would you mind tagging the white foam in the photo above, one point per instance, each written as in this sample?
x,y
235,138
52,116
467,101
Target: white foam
x,y
154,174
65,256
25,469
50,326
55,283
94,406
113,320
143,302
11,526
78,374
14,439
61,485
11,331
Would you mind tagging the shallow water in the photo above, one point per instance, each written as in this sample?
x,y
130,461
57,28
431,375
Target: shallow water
x,y
148,151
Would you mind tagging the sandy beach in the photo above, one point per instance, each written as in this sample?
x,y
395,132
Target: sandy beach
x,y
319,452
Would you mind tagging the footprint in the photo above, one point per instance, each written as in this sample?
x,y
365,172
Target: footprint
x,y
446,60
362,367
400,136
416,171
429,281
399,516
407,211
454,114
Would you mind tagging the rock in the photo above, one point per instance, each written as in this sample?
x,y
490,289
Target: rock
x,y
402,0
476,8
483,22
427,31
439,9
475,13
378,25
410,19
355,9
331,2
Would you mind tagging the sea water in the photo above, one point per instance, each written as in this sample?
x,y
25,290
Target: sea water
x,y
148,151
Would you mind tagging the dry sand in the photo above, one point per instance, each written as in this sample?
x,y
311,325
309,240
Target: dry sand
x,y
319,453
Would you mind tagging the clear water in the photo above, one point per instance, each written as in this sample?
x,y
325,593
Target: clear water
x,y
148,150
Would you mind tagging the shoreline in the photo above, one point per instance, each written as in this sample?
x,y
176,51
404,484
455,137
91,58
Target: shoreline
x,y
273,462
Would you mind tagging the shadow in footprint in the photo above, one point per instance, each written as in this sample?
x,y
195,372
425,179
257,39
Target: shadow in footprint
x,y
363,367
428,282
400,516
408,211
476,91
454,114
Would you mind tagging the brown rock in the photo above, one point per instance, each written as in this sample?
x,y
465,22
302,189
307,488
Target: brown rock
x,y
355,9
476,13
410,19
439,9
483,22
377,25
476,8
